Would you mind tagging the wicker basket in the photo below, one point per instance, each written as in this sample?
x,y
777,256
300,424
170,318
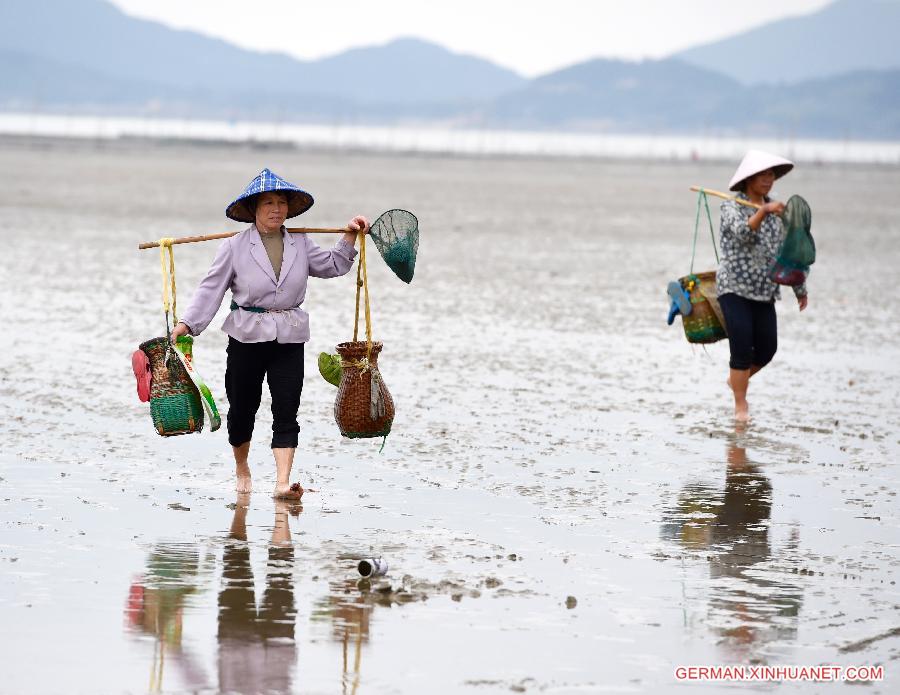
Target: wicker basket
x,y
174,401
354,411
705,323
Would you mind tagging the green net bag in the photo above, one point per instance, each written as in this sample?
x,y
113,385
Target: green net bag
x,y
798,250
396,235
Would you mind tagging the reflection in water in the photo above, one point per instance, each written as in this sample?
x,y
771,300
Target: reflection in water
x,y
155,607
349,612
348,608
747,608
256,651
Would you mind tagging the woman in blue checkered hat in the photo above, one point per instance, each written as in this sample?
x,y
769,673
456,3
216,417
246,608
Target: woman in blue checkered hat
x,y
266,270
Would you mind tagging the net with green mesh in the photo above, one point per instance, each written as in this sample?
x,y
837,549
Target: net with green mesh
x,y
798,250
396,235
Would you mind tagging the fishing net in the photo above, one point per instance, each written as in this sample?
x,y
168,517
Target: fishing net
x,y
396,235
798,250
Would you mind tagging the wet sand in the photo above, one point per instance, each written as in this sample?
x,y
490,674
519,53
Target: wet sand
x,y
564,501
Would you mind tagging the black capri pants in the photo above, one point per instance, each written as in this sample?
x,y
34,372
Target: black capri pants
x,y
281,364
752,330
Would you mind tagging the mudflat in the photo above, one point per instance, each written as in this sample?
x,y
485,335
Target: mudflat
x,y
564,502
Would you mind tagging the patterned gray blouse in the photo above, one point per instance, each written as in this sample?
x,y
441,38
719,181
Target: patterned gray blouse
x,y
748,255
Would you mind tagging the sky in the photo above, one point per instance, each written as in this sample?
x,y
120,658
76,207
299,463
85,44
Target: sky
x,y
531,37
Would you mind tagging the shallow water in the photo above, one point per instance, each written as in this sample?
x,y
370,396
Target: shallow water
x,y
564,501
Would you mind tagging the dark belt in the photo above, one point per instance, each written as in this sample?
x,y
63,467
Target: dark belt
x,y
254,309
259,309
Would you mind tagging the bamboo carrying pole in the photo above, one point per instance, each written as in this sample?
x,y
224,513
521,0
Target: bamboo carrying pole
x,y
726,196
225,235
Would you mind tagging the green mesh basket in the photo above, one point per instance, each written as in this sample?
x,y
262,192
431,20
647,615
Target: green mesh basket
x,y
175,405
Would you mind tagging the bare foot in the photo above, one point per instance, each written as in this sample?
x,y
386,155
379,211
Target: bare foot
x,y
283,491
742,412
244,482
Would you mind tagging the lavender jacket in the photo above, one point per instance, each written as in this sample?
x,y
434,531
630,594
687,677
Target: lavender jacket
x,y
243,266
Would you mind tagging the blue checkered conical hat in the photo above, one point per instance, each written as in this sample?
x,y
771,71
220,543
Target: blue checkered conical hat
x,y
298,199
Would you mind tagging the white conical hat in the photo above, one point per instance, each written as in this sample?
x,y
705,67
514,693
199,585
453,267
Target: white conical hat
x,y
756,161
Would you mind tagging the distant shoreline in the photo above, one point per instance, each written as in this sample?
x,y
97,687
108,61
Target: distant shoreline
x,y
432,141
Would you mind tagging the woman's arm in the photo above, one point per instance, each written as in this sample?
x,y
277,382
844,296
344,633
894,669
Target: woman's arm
x,y
771,208
732,222
330,263
208,297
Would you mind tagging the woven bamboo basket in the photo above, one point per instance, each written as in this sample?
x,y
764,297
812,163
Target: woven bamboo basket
x,y
705,323
174,401
354,411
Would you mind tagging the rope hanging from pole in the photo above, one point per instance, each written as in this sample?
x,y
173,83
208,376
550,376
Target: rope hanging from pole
x,y
362,287
168,278
701,196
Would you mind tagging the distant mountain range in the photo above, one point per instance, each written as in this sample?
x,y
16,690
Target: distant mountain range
x,y
672,96
834,73
96,36
618,95
845,36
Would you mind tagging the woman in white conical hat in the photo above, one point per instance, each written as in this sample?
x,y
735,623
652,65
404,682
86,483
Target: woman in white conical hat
x,y
750,240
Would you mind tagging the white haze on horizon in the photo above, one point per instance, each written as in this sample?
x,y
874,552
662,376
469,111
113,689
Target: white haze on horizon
x,y
438,140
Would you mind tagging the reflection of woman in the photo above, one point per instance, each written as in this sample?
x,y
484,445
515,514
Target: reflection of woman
x,y
750,241
266,270
746,607
754,608
256,645
741,522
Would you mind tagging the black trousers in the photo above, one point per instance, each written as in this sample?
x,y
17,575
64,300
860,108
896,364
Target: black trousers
x,y
281,364
752,330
